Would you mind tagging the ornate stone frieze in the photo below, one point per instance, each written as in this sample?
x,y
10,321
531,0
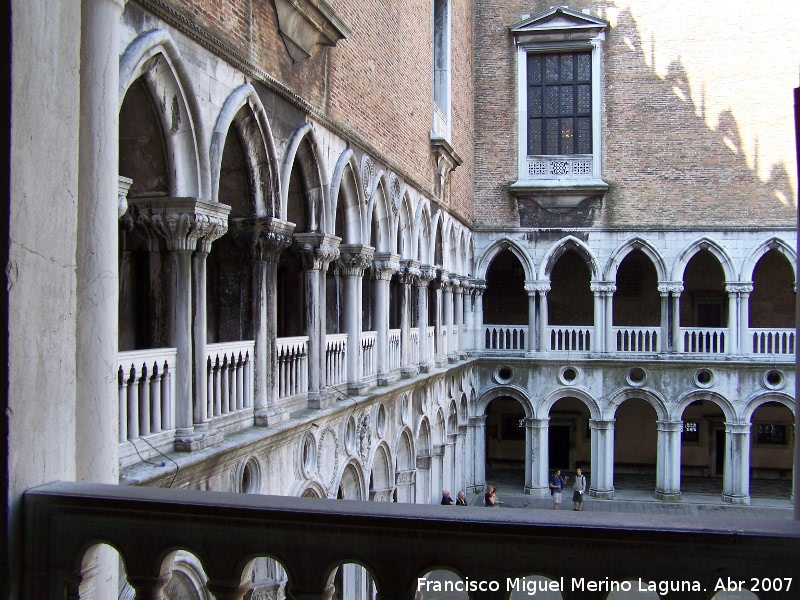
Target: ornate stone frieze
x,y
183,222
354,259
316,250
364,436
367,176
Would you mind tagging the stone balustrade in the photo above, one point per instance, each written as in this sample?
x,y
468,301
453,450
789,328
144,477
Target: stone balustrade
x,y
394,349
292,366
146,392
230,377
582,556
336,359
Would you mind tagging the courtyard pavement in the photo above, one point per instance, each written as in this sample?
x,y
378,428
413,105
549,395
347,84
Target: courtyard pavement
x,y
702,497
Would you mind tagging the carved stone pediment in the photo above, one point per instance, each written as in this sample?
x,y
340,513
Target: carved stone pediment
x,y
557,20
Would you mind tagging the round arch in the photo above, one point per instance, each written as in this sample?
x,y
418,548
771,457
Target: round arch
x,y
756,400
652,397
676,414
517,393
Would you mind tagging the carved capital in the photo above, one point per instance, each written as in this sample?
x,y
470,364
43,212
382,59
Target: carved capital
x,y
426,274
670,287
316,250
123,186
354,259
182,222
739,287
385,265
262,238
603,287
409,272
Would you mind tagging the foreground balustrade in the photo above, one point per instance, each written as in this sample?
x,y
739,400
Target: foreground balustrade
x,y
582,555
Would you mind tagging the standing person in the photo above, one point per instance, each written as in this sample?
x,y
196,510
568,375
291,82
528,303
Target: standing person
x,y
557,483
461,498
578,489
489,499
446,499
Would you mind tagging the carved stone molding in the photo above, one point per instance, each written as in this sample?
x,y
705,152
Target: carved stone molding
x,y
304,24
183,222
367,176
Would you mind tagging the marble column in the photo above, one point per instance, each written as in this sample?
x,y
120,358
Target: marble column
x,y
477,428
745,339
438,351
668,461
664,338
458,316
736,470
469,316
608,317
600,290
602,476
384,266
317,251
544,337
530,336
537,481
437,472
732,337
460,463
480,338
408,274
426,274
676,289
447,316
353,261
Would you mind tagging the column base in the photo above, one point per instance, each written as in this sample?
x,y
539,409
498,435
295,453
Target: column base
x,y
408,372
602,494
385,379
537,492
452,358
665,496
357,388
441,361
270,416
320,400
425,367
736,499
198,440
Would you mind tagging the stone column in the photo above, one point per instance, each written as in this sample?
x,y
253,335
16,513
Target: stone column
x,y
608,318
469,317
214,228
477,428
530,341
736,471
316,250
745,339
676,289
602,476
426,274
480,338
544,338
447,316
100,203
460,463
537,482
182,222
665,341
353,261
732,341
598,343
437,473
408,274
458,316
436,285
668,461
384,267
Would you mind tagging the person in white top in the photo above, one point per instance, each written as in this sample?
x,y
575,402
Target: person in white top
x,y
578,489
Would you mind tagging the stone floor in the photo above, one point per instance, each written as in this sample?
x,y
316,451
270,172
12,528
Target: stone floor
x,y
770,499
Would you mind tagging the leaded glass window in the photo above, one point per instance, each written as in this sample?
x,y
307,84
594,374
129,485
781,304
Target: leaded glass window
x,y
560,103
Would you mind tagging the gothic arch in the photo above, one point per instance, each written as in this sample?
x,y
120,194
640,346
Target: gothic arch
x,y
303,149
260,157
378,216
423,438
180,117
351,481
404,449
452,418
562,246
422,219
438,247
635,243
312,488
703,243
346,185
712,396
569,392
652,397
773,243
519,394
763,397
382,469
505,243
405,226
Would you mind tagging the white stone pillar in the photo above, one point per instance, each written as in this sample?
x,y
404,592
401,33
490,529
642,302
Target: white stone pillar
x,y
745,339
537,481
469,316
423,480
447,316
732,341
480,337
477,427
544,338
665,339
736,470
598,343
409,273
353,261
610,342
602,476
437,472
668,461
427,273
530,336
458,317
317,252
676,289
440,352
384,266
460,453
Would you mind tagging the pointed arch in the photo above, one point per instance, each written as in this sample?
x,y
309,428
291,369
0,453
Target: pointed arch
x,y
560,248
438,250
423,230
261,157
635,243
178,108
378,216
495,248
303,151
423,438
772,243
405,451
351,481
712,396
346,186
381,469
703,243
405,225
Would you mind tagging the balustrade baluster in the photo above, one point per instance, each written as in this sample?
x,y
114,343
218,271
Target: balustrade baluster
x,y
133,405
123,405
167,399
155,399
225,377
144,402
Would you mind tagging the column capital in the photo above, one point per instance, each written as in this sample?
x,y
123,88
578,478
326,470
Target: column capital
x,y
183,222
670,426
670,287
317,250
442,278
385,265
537,423
478,285
123,187
739,287
737,428
409,271
601,424
536,286
354,259
426,274
603,287
262,238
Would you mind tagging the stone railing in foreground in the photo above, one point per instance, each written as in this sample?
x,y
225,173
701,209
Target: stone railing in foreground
x,y
584,555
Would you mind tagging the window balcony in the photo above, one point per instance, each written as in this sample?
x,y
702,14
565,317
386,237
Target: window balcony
x,y
397,544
